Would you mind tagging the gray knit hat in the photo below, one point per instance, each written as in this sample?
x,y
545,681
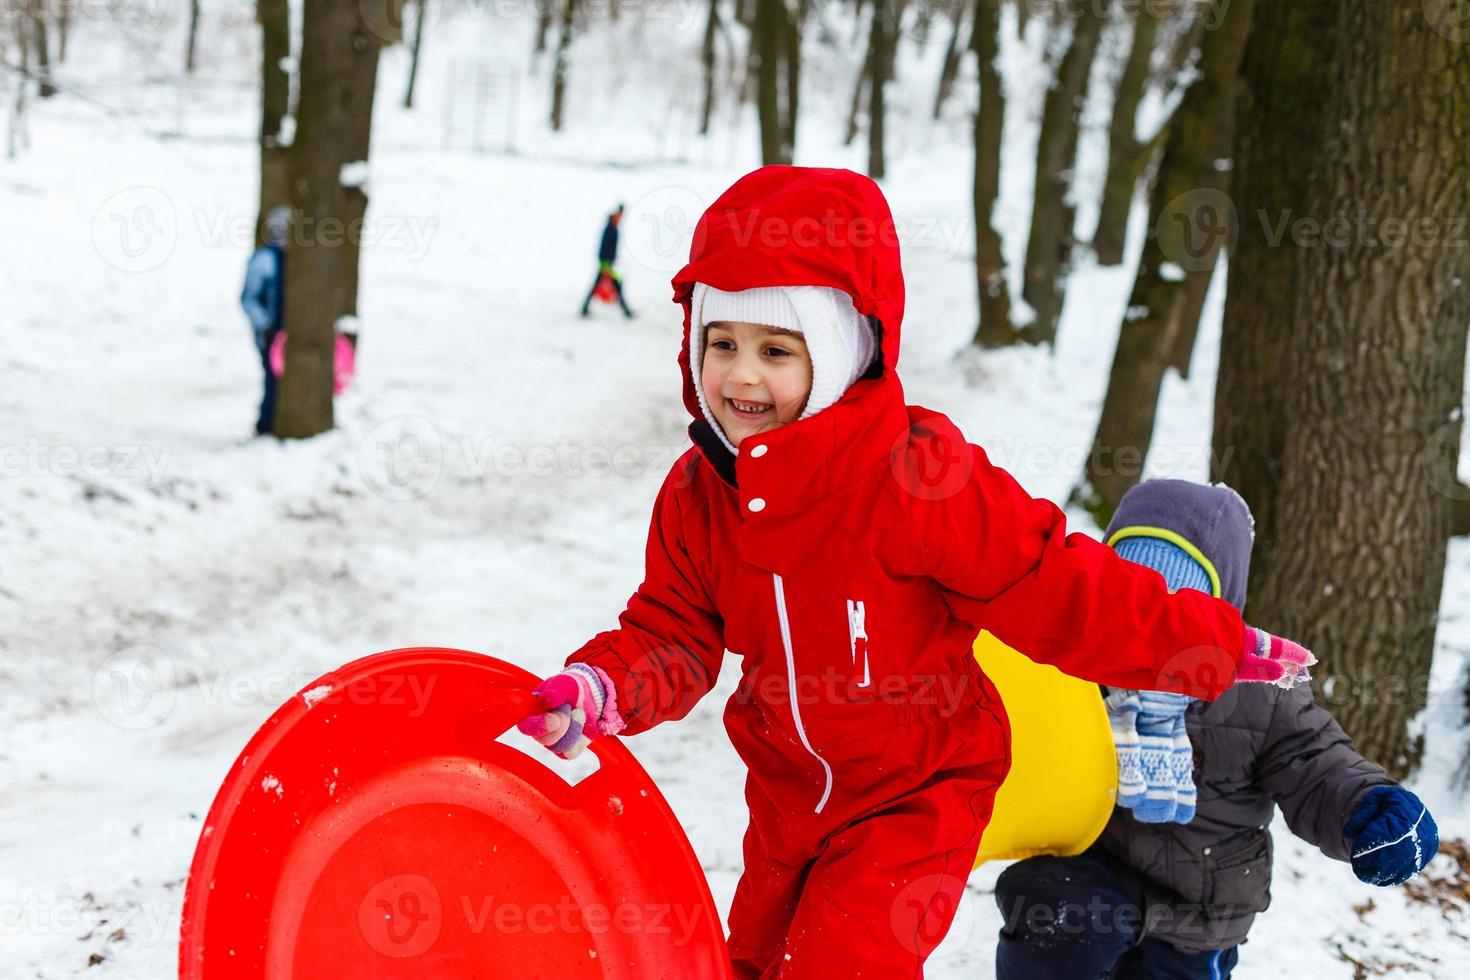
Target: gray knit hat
x,y
1211,522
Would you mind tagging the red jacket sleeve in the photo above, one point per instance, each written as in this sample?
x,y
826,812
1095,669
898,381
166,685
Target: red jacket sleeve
x,y
1008,565
665,654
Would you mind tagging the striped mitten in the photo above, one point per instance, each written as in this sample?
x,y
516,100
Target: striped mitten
x,y
581,705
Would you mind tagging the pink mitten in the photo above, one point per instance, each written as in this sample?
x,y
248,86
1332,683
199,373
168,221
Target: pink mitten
x,y
1273,659
581,704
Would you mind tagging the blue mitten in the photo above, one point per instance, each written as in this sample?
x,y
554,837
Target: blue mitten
x,y
1182,759
1168,760
1123,707
1391,836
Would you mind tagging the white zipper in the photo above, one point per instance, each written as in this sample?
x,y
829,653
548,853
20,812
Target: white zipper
x,y
791,686
855,631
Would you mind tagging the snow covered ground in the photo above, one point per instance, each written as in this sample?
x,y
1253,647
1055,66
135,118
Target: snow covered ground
x,y
166,582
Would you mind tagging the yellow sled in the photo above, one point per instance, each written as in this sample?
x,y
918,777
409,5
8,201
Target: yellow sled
x,y
1063,780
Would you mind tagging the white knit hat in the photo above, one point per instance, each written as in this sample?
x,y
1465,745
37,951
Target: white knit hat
x,y
838,337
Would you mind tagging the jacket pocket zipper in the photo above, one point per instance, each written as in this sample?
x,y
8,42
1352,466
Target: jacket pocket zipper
x,y
857,636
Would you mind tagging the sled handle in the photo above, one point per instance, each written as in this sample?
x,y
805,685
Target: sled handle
x,y
499,708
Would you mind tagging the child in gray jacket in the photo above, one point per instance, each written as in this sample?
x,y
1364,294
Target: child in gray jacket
x,y
1184,866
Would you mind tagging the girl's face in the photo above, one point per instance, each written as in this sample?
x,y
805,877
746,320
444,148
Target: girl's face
x,y
755,377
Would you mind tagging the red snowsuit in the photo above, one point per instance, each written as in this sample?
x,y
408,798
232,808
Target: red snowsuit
x,y
851,557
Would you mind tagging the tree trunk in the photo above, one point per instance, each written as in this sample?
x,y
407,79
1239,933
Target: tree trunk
x,y
707,57
1189,217
43,56
995,329
791,63
859,89
1023,17
768,41
1377,374
1281,112
420,16
274,17
193,42
1049,248
1126,159
545,17
339,67
883,41
63,30
563,64
950,67
16,135
1460,517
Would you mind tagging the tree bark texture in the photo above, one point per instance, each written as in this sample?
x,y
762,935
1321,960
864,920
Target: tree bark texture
x,y
1376,375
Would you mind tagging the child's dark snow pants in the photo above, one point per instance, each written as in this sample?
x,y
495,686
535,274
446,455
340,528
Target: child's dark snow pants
x,y
1072,918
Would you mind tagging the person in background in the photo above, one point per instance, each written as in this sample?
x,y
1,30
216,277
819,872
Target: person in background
x,y
264,301
1172,886
607,254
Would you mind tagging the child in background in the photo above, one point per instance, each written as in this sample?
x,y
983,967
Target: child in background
x,y
1184,866
847,548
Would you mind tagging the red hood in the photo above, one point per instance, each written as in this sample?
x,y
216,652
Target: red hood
x,y
798,226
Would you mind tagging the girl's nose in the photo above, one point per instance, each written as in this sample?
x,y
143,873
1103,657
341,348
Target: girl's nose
x,y
745,372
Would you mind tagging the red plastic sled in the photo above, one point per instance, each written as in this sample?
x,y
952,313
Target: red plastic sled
x,y
605,290
373,827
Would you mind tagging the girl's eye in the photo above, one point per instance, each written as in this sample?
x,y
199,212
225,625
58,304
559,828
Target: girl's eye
x,y
778,351
722,345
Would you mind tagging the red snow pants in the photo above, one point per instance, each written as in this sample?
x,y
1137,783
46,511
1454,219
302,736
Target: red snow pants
x,y
878,892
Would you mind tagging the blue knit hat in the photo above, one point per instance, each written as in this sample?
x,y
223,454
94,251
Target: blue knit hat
x,y
1180,571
